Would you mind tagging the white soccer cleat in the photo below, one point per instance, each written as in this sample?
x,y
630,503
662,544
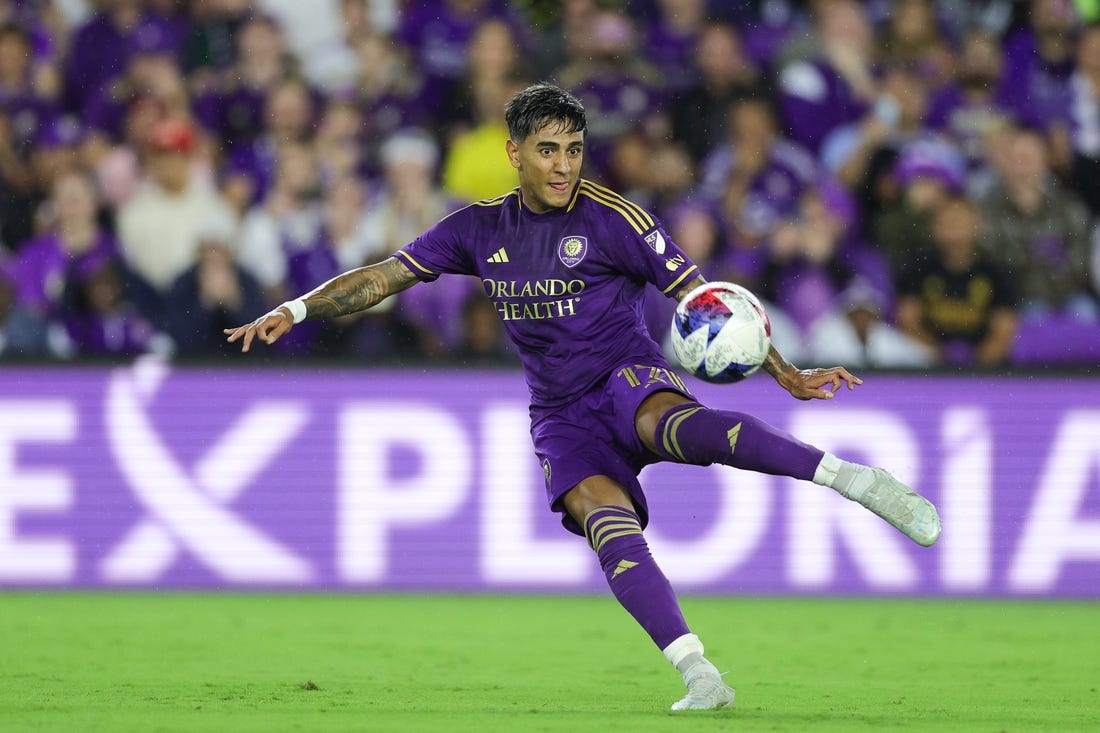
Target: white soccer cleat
x,y
898,504
706,692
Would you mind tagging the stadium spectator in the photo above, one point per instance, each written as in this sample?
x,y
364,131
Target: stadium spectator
x,y
211,295
857,333
102,46
565,37
438,35
73,233
331,67
493,64
159,227
25,93
834,86
16,187
338,141
25,112
722,75
863,155
968,108
210,45
959,303
1039,61
152,76
232,104
910,39
1084,119
287,221
22,332
615,81
657,174
471,171
250,169
96,318
670,40
1040,231
757,176
390,92
928,172
811,259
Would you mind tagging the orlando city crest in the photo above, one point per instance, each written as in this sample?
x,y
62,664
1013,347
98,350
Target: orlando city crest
x,y
572,250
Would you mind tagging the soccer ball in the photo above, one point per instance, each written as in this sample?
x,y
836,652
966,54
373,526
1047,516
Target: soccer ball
x,y
720,332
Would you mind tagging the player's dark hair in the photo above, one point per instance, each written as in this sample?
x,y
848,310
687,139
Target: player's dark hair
x,y
539,105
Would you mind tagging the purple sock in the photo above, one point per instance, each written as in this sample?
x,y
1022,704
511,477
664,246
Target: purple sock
x,y
691,433
615,533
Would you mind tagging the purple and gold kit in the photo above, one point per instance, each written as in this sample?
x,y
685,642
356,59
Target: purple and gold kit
x,y
568,285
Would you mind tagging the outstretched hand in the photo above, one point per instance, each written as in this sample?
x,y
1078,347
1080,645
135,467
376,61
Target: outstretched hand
x,y
819,384
268,328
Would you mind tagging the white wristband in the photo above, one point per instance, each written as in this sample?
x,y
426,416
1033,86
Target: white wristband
x,y
297,309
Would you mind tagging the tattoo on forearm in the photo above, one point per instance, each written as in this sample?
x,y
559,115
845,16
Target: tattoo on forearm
x,y
358,289
775,364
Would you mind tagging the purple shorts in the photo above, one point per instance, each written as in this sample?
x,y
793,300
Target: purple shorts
x,y
596,436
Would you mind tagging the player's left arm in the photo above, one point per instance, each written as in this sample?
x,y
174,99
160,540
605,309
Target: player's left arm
x,y
808,384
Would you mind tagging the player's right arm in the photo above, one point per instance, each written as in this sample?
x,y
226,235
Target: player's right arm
x,y
354,291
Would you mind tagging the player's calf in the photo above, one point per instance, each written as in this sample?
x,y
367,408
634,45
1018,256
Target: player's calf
x,y
692,433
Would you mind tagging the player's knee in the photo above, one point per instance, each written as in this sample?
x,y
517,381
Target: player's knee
x,y
651,415
592,493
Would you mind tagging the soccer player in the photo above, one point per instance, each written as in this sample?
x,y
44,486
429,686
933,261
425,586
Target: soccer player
x,y
564,262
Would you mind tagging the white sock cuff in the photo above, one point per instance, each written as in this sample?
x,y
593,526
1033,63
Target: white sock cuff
x,y
681,647
827,470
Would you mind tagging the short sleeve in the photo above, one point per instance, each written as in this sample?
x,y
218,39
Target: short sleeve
x,y
648,254
442,248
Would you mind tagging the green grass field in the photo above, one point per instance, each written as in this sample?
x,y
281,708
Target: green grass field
x,y
197,662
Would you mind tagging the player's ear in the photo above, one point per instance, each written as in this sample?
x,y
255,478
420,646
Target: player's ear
x,y
512,148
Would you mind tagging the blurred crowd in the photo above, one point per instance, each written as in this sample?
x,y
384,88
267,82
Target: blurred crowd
x,y
907,184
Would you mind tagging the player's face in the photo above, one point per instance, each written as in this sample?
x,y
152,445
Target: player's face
x,y
549,163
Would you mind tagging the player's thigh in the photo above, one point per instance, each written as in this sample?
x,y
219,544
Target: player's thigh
x,y
594,492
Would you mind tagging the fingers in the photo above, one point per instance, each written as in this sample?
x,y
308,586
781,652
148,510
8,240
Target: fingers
x,y
267,329
848,377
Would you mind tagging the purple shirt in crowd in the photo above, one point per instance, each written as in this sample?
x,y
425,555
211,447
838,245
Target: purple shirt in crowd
x,y
568,284
775,190
39,270
814,100
1038,90
100,51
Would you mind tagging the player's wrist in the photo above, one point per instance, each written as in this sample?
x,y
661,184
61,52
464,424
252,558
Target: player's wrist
x,y
296,308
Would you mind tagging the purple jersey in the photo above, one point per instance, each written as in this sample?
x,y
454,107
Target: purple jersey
x,y
39,270
814,100
568,284
1036,89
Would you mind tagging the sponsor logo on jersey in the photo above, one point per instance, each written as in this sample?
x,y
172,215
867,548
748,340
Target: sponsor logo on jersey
x,y
656,242
497,257
675,263
572,249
